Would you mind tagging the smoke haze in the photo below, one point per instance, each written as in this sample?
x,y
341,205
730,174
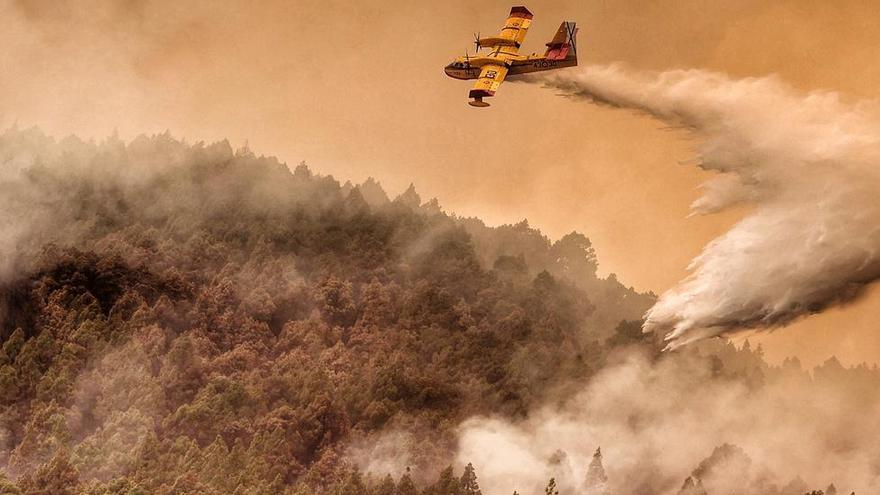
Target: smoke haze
x,y
657,422
805,165
249,338
232,70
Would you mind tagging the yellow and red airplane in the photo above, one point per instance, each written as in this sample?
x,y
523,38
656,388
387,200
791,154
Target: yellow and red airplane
x,y
503,59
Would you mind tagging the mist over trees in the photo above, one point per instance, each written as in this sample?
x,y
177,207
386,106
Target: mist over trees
x,y
182,318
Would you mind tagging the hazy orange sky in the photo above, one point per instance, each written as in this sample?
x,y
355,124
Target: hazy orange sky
x,y
357,89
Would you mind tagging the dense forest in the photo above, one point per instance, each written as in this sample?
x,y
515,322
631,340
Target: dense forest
x,y
191,319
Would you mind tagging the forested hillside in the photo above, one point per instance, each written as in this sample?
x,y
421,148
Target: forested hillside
x,y
191,319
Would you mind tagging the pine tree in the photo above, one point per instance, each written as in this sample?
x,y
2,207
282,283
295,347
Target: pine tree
x,y
386,487
57,477
409,198
551,488
446,484
692,486
469,485
406,486
354,485
597,481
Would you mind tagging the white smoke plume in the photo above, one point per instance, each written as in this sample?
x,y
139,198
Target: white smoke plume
x,y
660,422
808,167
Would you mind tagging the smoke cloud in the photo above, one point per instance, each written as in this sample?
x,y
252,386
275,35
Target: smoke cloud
x,y
805,165
660,422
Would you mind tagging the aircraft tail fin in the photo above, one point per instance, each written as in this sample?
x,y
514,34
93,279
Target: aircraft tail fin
x,y
564,43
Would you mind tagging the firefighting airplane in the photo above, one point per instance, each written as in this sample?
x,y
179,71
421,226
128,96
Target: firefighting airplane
x,y
503,59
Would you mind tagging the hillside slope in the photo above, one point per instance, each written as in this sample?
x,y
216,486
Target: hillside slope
x,y
191,319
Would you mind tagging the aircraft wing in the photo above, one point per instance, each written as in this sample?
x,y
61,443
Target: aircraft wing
x,y
517,25
514,31
505,47
491,77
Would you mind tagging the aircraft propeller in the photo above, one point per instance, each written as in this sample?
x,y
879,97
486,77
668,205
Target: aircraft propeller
x,y
477,41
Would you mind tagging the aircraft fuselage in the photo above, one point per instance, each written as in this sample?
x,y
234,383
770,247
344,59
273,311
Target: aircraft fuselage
x,y
469,68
